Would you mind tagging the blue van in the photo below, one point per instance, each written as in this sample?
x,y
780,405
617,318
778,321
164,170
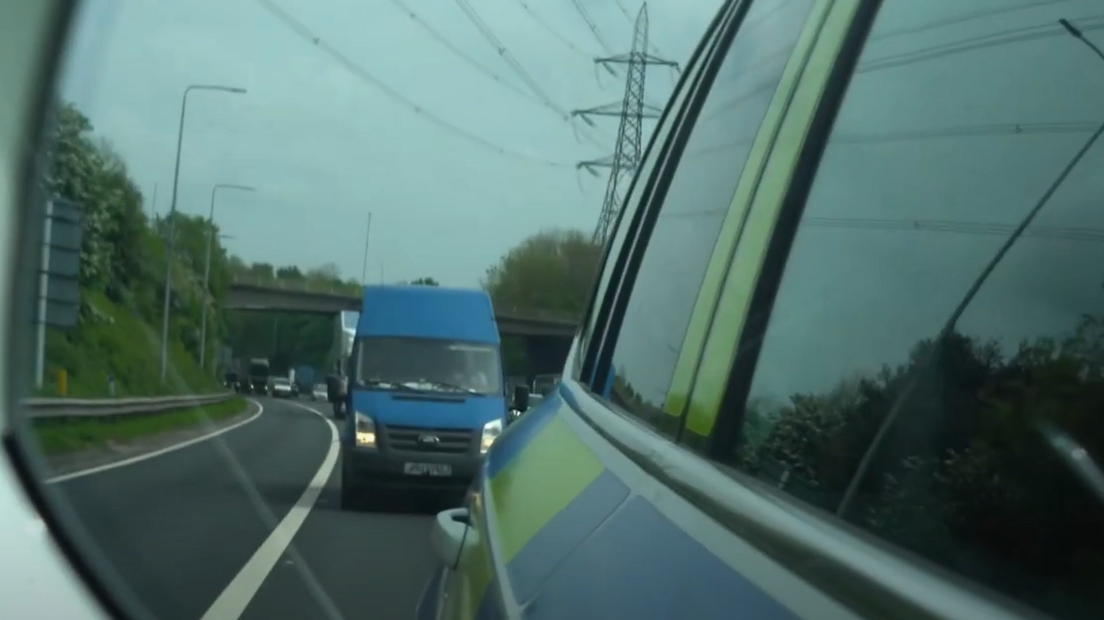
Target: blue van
x,y
425,396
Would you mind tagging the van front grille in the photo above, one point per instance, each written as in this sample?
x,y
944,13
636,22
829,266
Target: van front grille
x,y
414,439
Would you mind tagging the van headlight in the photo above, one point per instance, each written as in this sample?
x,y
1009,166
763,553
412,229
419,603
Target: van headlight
x,y
365,431
491,431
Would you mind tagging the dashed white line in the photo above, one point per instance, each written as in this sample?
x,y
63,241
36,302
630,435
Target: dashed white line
x,y
149,455
234,599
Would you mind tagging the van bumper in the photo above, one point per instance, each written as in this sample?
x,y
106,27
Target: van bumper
x,y
367,469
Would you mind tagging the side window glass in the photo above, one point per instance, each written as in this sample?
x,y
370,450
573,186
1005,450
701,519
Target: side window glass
x,y
700,195
928,374
617,245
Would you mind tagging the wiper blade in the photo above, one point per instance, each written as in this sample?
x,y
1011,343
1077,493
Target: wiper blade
x,y
451,386
387,385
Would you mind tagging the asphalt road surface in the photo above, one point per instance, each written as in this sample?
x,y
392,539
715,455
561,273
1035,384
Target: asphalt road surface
x,y
203,531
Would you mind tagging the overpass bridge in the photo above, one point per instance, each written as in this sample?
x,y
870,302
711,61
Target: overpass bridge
x,y
547,337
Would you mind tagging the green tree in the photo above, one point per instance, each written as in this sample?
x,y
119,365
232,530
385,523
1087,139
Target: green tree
x,y
122,271
972,466
550,272
426,282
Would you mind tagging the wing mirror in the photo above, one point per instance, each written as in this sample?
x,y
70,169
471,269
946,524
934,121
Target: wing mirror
x,y
450,534
333,388
521,398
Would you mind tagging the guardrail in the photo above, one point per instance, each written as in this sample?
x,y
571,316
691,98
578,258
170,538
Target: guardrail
x,y
349,290
44,408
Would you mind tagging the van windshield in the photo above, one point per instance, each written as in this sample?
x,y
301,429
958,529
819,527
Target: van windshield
x,y
427,364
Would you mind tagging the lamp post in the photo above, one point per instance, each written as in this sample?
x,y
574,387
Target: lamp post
x,y
207,266
172,217
364,268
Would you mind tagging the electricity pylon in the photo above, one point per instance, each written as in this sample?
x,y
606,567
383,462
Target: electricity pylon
x,y
633,110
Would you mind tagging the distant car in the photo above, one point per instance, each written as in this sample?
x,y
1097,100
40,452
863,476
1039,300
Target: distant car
x,y
319,392
280,388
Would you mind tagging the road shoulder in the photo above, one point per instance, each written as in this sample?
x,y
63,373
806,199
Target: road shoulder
x,y
117,452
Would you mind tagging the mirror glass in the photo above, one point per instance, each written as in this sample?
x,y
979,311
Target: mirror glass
x,y
220,181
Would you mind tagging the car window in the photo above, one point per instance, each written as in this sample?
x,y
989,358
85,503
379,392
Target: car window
x,y
699,197
928,373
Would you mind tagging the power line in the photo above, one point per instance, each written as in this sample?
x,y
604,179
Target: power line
x,y
994,229
488,34
993,129
299,28
965,17
996,39
440,38
544,102
552,31
581,10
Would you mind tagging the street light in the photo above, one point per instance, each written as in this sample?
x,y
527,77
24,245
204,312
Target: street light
x,y
207,266
367,236
172,217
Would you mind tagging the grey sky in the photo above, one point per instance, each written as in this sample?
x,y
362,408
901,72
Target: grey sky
x,y
323,147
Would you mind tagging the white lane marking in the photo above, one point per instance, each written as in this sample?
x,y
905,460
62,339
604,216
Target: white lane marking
x,y
232,602
149,455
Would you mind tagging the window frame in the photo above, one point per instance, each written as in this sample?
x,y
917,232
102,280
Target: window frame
x,y
593,326
727,362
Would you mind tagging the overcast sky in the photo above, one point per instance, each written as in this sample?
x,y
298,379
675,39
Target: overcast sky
x,y
324,146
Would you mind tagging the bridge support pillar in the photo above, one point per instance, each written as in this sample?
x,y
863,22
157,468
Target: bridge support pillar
x,y
529,356
546,355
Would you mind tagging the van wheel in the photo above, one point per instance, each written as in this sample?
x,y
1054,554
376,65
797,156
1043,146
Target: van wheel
x,y
348,497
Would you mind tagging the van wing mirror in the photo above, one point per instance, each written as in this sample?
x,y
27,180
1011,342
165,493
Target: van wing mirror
x,y
521,397
333,388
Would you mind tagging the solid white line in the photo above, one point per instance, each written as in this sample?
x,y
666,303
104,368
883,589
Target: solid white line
x,y
233,600
149,455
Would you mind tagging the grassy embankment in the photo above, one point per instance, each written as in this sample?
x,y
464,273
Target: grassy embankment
x,y
118,343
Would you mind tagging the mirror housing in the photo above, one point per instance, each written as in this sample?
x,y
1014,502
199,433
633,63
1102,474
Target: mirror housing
x,y
333,388
450,534
521,398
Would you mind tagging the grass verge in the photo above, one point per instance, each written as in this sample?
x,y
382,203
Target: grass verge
x,y
64,436
114,341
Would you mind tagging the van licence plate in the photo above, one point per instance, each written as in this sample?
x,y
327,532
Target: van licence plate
x,y
427,469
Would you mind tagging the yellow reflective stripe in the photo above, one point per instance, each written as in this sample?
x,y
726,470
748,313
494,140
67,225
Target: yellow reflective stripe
x,y
539,482
693,342
723,338
476,570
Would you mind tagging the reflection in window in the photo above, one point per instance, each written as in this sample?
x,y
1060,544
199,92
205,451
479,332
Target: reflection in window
x,y
954,127
697,201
